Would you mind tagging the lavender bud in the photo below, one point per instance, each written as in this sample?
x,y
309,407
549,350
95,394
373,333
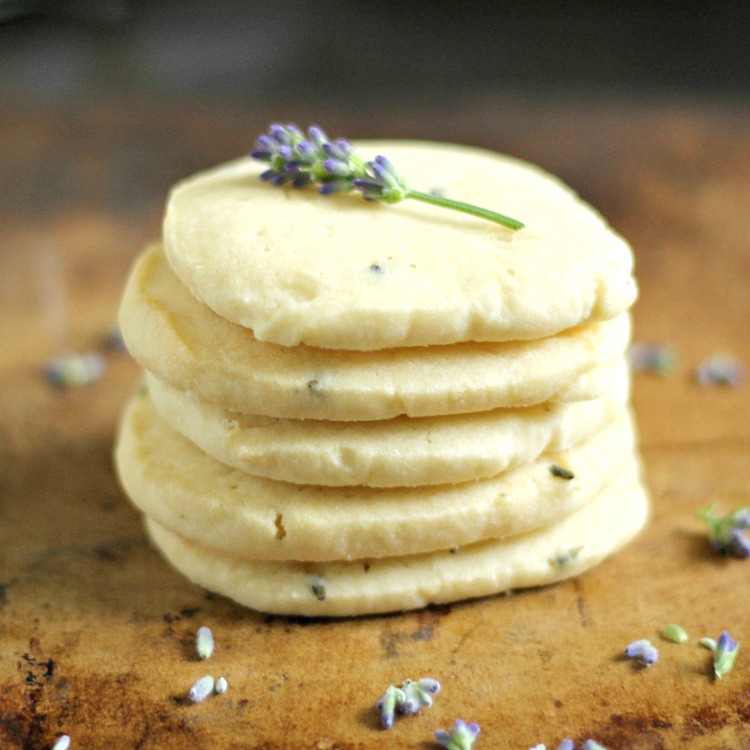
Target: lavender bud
x,y
429,685
61,743
460,737
388,704
740,544
334,186
637,648
318,137
593,745
221,685
566,744
336,167
724,654
201,689
650,656
204,642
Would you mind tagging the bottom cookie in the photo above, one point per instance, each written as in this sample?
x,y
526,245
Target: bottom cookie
x,y
361,587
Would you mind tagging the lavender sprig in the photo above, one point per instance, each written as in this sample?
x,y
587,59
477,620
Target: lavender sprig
x,y
460,736
726,533
335,168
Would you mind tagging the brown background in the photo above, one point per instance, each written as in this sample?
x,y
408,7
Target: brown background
x,y
96,631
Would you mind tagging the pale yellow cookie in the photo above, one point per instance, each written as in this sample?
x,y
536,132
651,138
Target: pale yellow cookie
x,y
183,342
362,587
343,273
398,452
174,482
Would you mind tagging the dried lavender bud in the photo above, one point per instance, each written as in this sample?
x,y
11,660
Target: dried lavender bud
x,y
643,650
336,168
726,533
563,559
318,588
201,689
593,745
460,736
649,357
561,472
725,654
61,743
204,642
675,633
566,744
221,685
719,369
708,643
73,370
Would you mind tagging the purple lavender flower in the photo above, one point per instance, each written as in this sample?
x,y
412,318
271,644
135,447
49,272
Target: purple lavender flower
x,y
724,654
335,167
460,736
726,533
643,650
566,744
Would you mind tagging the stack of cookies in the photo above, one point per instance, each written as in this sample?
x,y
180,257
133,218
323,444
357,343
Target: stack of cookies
x,y
353,408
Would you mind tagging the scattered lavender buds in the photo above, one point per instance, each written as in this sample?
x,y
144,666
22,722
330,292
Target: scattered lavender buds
x,y
61,743
201,689
221,685
719,369
407,700
73,370
675,633
643,650
204,642
561,472
725,533
336,168
724,655
460,736
650,357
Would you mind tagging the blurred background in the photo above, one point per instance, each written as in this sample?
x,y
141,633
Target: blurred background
x,y
194,82
370,55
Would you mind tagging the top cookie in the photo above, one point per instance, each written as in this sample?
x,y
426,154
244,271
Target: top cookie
x,y
343,273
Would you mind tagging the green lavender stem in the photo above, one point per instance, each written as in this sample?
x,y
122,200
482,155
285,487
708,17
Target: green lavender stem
x,y
467,208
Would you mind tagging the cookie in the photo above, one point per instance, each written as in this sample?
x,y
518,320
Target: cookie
x,y
200,498
397,452
184,343
343,273
362,587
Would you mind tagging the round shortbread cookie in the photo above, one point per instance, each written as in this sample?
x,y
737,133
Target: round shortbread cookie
x,y
174,482
400,452
362,587
183,342
343,273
